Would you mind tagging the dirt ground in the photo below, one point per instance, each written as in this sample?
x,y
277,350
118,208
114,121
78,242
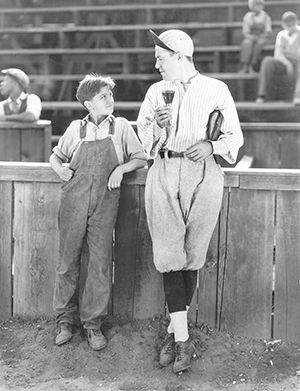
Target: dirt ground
x,y
29,360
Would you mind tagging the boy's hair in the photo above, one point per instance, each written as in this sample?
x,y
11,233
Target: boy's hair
x,y
91,85
251,3
289,17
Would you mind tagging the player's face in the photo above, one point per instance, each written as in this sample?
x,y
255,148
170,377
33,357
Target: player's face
x,y
167,63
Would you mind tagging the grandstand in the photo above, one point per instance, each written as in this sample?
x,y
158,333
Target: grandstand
x,y
58,42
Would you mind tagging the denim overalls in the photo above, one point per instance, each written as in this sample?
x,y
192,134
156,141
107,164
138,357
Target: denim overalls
x,y
88,209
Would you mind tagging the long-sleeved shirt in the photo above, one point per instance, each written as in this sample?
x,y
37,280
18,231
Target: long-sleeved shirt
x,y
287,46
257,24
189,123
34,104
125,140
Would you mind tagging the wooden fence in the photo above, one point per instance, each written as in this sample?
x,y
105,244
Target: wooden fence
x,y
25,141
249,285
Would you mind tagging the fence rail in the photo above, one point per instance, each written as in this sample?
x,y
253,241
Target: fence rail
x,y
249,285
145,13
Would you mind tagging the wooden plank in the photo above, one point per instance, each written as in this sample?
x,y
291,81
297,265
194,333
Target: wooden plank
x,y
25,125
149,298
25,171
287,269
247,293
272,126
267,181
10,146
142,7
206,301
35,230
6,245
290,149
47,142
32,145
222,256
125,252
264,146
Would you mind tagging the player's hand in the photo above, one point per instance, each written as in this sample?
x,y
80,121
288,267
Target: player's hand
x,y
115,179
199,151
163,116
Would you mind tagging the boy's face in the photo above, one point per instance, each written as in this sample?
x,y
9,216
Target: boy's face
x,y
255,6
291,26
7,85
102,103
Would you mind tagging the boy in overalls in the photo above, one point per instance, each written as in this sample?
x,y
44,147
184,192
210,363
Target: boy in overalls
x,y
99,150
257,30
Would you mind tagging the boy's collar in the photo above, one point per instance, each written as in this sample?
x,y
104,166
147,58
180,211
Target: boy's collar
x,y
87,119
22,96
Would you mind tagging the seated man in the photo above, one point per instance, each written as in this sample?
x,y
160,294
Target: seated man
x,y
19,106
281,70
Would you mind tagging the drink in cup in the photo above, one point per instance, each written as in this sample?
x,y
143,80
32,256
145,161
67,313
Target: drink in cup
x,y
168,96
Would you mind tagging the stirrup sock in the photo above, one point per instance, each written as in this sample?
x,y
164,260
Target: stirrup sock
x,y
180,325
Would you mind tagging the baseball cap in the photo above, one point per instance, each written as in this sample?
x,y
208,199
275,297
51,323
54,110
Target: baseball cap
x,y
176,41
18,75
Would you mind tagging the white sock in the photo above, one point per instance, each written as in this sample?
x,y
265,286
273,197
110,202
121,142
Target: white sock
x,y
170,328
180,325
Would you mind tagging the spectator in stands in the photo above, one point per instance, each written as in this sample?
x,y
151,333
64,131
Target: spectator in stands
x,y
286,55
257,29
91,158
184,185
19,105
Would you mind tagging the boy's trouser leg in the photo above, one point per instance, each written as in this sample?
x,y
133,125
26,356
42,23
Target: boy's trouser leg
x,y
97,287
257,50
268,69
246,51
72,227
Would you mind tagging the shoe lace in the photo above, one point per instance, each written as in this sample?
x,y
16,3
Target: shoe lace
x,y
178,351
169,344
96,332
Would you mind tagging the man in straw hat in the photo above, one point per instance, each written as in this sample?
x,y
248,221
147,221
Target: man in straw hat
x,y
184,185
19,105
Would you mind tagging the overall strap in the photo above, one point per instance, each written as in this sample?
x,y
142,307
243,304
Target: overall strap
x,y
6,108
83,129
112,126
23,106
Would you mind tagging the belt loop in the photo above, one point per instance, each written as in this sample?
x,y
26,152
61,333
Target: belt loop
x,y
167,154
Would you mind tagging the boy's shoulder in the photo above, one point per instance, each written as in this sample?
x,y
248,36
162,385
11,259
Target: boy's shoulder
x,y
75,124
121,122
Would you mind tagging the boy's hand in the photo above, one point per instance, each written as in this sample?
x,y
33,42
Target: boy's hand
x,y
115,178
289,68
65,173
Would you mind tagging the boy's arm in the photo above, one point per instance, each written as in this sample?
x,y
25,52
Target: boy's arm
x,y
268,27
279,53
64,172
116,176
134,156
246,26
26,116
